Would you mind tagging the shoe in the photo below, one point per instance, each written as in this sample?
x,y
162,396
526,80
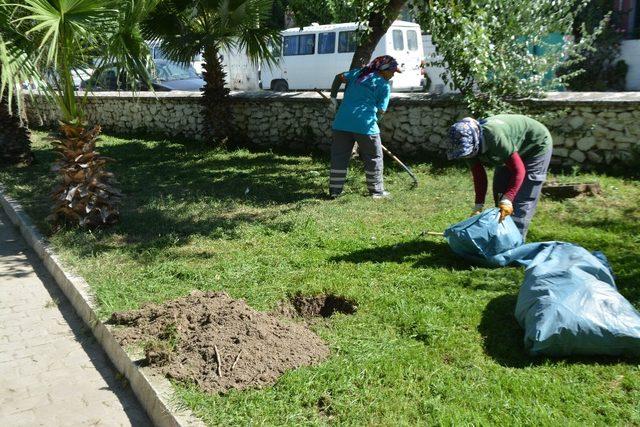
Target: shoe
x,y
334,196
383,195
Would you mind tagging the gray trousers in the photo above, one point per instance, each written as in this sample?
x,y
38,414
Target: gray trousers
x,y
524,206
370,147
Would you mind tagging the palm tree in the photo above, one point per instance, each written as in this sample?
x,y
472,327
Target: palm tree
x,y
49,39
186,28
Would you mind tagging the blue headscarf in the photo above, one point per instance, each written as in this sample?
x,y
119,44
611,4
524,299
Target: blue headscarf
x,y
465,138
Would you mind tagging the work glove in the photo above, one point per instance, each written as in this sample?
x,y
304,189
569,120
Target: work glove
x,y
333,105
477,209
506,208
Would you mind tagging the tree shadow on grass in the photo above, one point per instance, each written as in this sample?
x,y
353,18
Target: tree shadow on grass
x,y
423,253
190,173
504,339
177,191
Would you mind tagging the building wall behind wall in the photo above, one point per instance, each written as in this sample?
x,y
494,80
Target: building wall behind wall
x,y
630,53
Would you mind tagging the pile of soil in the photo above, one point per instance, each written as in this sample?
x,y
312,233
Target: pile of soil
x,y
218,342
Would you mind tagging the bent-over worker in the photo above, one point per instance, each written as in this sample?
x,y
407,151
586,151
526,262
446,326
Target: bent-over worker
x,y
366,97
520,149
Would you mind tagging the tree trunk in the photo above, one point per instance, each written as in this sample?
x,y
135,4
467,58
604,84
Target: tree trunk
x,y
14,137
85,195
215,97
379,23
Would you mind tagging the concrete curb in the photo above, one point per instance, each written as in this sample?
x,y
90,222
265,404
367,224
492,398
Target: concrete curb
x,y
154,392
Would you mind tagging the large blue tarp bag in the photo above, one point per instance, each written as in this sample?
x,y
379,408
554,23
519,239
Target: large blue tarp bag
x,y
569,305
482,237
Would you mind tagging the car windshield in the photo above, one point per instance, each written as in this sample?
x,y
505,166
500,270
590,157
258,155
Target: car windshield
x,y
167,71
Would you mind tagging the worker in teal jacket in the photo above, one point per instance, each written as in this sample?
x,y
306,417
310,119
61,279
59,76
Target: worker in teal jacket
x,y
366,97
519,147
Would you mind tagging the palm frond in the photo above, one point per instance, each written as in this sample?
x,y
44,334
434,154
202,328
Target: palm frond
x,y
126,47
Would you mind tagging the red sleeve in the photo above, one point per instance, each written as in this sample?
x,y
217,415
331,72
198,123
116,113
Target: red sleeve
x,y
479,181
518,172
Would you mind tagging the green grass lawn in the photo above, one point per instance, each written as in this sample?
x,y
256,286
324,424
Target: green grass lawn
x,y
434,340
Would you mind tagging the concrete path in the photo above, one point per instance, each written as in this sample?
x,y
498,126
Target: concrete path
x,y
52,371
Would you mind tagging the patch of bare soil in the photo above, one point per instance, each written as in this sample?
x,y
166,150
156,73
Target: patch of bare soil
x,y
218,342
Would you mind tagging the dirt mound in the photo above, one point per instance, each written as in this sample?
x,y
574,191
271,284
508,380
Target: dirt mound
x,y
309,307
218,342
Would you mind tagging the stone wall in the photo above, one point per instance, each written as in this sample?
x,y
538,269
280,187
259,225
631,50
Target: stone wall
x,y
588,128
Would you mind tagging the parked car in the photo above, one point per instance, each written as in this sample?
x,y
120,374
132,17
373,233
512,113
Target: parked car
x,y
170,75
312,56
167,76
78,75
157,53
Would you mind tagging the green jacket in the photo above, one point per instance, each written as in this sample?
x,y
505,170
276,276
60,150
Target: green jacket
x,y
506,134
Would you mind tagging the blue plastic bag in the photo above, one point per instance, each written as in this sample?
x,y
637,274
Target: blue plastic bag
x,y
482,237
568,303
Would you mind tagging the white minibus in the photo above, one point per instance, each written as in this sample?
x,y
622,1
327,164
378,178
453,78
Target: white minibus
x,y
312,56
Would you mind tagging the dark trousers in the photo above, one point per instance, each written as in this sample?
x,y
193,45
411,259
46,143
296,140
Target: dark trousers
x,y
524,206
370,147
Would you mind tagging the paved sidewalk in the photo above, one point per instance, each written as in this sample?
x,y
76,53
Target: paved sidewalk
x,y
52,371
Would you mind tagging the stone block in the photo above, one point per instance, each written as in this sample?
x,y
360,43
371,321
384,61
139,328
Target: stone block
x,y
399,136
419,131
599,130
578,156
625,156
576,121
435,139
426,121
615,126
594,157
586,143
624,138
561,152
403,118
558,140
569,142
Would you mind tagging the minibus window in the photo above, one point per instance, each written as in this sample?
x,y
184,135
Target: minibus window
x,y
412,40
326,43
398,41
307,44
347,41
299,45
290,45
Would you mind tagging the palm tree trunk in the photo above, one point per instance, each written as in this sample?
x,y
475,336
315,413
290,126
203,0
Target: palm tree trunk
x,y
379,22
215,97
85,195
15,142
